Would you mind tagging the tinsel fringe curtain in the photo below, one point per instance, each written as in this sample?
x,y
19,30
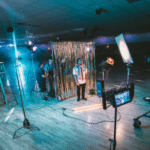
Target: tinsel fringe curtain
x,y
65,56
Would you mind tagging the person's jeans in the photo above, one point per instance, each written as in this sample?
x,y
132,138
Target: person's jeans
x,y
83,90
51,82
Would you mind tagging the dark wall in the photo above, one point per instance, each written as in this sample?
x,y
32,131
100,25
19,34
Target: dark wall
x,y
139,52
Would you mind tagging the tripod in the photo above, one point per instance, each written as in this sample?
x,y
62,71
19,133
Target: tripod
x,y
26,123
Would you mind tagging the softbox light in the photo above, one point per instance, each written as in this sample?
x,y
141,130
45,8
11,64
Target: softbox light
x,y
123,48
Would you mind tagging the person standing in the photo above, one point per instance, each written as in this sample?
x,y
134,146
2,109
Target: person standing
x,y
41,79
49,69
80,76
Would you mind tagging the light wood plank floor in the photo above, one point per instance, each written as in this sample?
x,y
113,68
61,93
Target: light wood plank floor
x,y
60,132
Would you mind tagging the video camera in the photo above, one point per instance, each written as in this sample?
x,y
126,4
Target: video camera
x,y
118,97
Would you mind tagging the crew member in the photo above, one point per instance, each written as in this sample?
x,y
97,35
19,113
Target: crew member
x,y
41,79
49,69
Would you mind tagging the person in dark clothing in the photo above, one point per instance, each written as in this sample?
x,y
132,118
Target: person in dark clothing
x,y
63,67
49,69
41,79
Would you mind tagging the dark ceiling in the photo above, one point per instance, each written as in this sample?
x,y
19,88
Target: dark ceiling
x,y
73,19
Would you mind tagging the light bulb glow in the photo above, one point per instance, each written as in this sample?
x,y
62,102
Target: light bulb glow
x,y
34,48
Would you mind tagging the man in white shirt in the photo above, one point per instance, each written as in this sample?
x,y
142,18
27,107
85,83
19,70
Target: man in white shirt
x,y
80,76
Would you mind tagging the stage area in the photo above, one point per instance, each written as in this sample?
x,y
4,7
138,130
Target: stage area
x,y
62,128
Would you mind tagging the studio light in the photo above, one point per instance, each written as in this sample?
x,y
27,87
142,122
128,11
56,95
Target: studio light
x,y
87,49
11,45
34,48
29,42
110,61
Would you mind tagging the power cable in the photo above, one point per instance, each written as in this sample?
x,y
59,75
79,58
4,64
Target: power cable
x,y
93,123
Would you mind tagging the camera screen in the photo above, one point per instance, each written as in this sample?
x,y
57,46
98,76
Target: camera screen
x,y
122,98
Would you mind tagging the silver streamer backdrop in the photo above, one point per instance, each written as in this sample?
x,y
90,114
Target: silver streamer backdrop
x,y
65,56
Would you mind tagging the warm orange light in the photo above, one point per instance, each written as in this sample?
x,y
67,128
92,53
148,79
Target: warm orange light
x,y
91,107
110,61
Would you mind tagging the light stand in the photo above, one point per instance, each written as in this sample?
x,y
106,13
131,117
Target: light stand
x,y
115,123
26,123
128,72
36,84
108,61
103,69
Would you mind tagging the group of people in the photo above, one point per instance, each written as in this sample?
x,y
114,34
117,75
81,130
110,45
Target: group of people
x,y
47,71
42,73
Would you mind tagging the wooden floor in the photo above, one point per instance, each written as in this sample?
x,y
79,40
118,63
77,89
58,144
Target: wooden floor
x,y
58,131
74,131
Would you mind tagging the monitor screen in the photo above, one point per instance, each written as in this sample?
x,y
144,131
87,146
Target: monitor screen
x,y
122,98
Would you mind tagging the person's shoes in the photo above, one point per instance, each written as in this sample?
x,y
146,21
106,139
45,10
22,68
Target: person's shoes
x,y
78,100
45,98
84,98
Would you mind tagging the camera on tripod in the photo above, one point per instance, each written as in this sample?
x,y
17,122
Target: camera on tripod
x,y
118,97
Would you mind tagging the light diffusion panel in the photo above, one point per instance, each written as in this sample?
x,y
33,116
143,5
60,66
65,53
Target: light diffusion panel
x,y
123,48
